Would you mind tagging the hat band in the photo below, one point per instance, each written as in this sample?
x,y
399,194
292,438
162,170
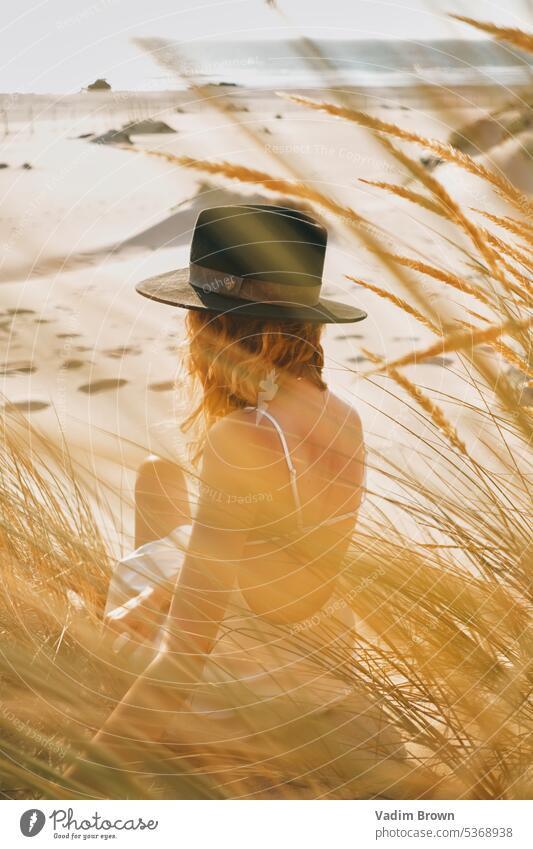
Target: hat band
x,y
252,289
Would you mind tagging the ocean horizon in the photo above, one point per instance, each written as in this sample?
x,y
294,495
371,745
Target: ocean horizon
x,y
302,63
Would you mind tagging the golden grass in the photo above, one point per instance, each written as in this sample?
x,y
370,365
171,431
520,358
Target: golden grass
x,y
433,410
457,341
501,184
443,647
505,249
408,194
512,357
438,573
511,35
255,177
397,301
514,253
507,352
519,228
444,277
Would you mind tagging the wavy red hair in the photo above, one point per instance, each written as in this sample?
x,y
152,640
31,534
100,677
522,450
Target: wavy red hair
x,y
229,357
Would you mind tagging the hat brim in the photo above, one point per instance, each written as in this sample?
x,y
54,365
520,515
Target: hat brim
x,y
174,288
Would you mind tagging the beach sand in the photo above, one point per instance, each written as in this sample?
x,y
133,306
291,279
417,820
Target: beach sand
x,y
90,362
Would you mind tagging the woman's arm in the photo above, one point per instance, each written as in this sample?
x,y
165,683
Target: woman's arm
x,y
197,609
224,518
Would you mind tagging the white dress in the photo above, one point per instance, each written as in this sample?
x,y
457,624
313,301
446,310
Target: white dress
x,y
270,689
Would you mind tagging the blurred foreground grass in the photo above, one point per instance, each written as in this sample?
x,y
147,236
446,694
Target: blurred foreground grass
x,y
444,637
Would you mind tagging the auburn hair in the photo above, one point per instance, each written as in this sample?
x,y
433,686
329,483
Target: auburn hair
x,y
234,359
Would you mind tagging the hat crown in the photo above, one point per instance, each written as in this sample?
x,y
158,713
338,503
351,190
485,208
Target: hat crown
x,y
274,243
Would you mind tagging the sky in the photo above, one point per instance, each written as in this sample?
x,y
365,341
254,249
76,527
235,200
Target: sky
x,y
62,45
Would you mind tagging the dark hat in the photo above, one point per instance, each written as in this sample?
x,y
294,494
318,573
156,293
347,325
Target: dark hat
x,y
253,260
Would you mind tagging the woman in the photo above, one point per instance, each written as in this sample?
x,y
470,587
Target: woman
x,y
239,610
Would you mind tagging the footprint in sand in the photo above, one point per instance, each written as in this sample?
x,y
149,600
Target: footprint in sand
x,y
19,311
67,335
26,406
105,385
21,367
122,351
437,361
406,338
358,359
351,336
72,365
164,386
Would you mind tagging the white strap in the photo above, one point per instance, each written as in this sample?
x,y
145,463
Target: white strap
x,y
290,464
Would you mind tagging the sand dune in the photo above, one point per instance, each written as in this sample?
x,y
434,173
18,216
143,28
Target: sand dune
x,y
175,230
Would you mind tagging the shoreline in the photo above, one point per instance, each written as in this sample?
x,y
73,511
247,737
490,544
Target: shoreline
x,y
422,94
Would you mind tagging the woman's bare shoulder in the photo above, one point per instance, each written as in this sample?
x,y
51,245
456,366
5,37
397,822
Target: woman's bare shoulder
x,y
343,411
236,438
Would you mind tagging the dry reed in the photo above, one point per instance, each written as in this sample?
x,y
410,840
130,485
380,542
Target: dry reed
x,y
511,35
501,184
438,575
458,341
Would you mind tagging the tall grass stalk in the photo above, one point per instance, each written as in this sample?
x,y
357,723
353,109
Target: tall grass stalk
x,y
438,573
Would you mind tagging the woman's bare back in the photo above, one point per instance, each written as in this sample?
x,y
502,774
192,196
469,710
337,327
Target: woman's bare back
x,y
291,557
